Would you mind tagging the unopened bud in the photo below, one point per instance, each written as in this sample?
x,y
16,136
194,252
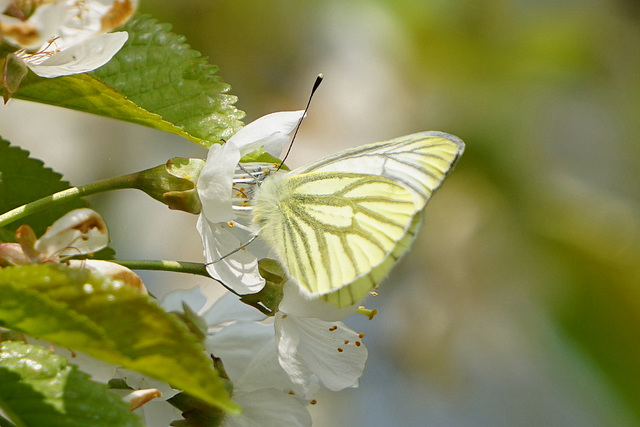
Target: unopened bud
x,y
173,183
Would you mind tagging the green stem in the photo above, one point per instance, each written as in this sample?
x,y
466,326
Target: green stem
x,y
175,266
184,267
115,183
165,265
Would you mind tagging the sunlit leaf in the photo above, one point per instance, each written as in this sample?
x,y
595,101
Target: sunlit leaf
x,y
110,321
39,388
155,80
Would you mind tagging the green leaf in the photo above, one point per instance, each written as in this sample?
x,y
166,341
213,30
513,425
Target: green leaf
x,y
155,80
260,155
23,180
90,313
40,388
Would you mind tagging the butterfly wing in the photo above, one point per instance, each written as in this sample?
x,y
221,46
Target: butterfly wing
x,y
419,162
339,224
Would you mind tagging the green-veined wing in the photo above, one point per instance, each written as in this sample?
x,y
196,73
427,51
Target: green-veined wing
x,y
339,224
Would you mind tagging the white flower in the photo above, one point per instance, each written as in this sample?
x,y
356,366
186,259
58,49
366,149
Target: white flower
x,y
294,353
248,353
312,343
78,232
224,229
63,37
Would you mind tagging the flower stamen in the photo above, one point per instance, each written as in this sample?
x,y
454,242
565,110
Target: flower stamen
x,y
246,180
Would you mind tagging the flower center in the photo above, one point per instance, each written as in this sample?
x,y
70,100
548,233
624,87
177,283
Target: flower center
x,y
40,56
246,180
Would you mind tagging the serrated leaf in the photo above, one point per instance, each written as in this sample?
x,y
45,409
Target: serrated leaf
x,y
83,92
155,80
110,321
39,388
23,180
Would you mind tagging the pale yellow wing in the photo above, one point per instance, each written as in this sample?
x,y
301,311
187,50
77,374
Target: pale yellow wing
x,y
419,162
338,225
330,228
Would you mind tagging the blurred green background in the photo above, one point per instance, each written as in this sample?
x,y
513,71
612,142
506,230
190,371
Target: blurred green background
x,y
520,303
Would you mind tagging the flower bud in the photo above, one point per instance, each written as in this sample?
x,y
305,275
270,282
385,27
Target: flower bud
x,y
13,71
173,183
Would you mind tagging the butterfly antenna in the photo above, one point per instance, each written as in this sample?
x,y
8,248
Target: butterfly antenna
x,y
238,249
313,91
248,172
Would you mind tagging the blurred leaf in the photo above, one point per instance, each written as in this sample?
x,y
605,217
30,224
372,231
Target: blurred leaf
x,y
155,80
40,388
6,236
602,319
593,236
23,180
86,312
196,413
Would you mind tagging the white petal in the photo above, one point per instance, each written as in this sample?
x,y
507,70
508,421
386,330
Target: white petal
x,y
97,16
158,413
268,408
229,309
80,231
271,131
90,18
172,301
264,371
247,347
81,58
238,271
120,11
237,344
298,303
45,23
216,181
327,350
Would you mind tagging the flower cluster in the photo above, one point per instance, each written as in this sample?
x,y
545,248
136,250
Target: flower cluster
x,y
276,365
305,345
59,37
79,232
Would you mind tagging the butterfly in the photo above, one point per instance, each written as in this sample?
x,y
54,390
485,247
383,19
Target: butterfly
x,y
339,225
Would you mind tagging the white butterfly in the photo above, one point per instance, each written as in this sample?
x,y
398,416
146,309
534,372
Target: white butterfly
x,y
338,225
